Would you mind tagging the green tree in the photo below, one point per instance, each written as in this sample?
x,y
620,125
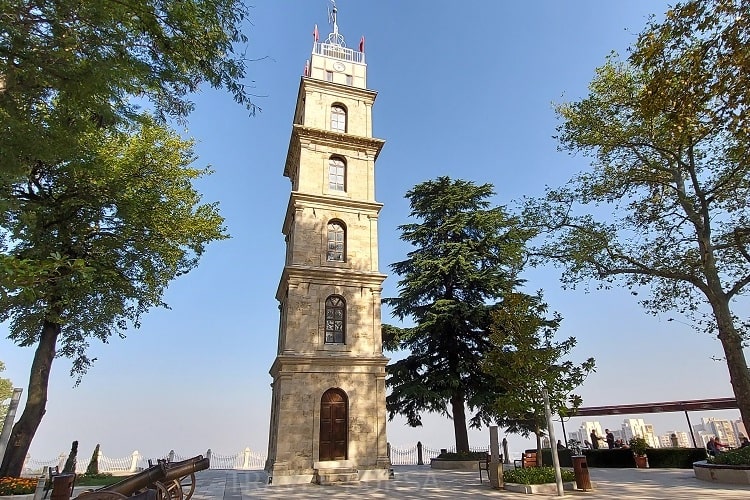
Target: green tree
x,y
526,359
467,254
668,134
6,391
67,66
121,222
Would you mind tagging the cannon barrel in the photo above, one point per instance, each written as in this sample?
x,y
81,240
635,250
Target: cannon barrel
x,y
136,482
176,470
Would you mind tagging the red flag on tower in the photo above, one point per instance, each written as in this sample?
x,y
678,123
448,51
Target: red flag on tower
x,y
315,33
362,44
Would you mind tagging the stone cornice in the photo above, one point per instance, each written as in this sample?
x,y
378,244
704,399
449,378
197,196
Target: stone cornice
x,y
323,360
336,89
302,134
298,199
328,275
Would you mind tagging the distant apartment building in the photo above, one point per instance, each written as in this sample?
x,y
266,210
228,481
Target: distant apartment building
x,y
719,428
739,428
583,434
636,427
683,440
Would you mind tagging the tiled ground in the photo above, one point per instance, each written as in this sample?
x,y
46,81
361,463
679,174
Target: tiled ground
x,y
424,483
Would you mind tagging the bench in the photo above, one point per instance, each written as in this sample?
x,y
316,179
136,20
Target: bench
x,y
528,459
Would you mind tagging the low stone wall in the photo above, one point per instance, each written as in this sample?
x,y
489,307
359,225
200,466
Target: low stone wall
x,y
715,473
547,488
439,463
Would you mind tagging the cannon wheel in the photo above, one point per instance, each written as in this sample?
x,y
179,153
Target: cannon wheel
x,y
182,488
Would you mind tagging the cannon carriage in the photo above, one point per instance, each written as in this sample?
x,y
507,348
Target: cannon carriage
x,y
163,481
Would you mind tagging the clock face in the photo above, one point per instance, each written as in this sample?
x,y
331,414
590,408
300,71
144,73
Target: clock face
x,y
339,66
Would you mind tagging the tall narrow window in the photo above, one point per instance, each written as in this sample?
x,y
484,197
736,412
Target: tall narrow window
x,y
329,76
336,241
338,118
336,174
335,319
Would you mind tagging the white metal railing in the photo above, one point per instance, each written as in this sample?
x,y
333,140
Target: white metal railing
x,y
242,460
338,52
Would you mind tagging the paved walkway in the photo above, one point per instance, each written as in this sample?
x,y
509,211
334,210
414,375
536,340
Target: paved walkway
x,y
425,483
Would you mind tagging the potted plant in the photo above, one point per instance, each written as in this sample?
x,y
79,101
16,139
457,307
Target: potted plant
x,y
639,446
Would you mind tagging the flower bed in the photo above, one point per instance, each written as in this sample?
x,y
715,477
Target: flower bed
x,y
17,485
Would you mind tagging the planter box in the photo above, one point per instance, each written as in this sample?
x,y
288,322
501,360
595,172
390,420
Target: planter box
x,y
29,496
440,463
546,489
715,473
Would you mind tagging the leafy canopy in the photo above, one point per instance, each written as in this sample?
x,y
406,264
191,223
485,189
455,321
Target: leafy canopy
x,y
467,254
68,66
112,228
667,132
526,359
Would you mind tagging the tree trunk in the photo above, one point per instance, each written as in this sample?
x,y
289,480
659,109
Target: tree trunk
x,y
36,402
538,433
736,362
459,422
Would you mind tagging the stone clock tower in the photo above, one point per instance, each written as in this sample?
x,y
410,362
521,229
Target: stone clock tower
x,y
328,416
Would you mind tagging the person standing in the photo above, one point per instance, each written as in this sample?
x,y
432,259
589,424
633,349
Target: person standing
x,y
594,440
610,439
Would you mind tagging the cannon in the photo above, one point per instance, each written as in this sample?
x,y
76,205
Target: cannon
x,y
163,481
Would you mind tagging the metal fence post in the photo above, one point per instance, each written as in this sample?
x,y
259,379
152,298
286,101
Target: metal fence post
x,y
419,453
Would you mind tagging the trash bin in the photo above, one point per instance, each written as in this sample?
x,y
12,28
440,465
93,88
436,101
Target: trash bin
x,y
581,471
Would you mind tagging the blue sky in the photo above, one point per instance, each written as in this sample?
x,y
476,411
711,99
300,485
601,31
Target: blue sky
x,y
465,89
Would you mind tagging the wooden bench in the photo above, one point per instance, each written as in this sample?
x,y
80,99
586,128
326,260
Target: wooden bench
x,y
528,459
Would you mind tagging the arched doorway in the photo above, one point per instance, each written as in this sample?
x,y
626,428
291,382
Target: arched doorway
x,y
334,421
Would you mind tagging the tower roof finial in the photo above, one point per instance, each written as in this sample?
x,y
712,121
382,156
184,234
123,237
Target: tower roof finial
x,y
334,38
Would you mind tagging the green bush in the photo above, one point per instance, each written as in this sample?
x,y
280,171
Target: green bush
x,y
674,458
536,475
470,455
618,457
734,457
563,454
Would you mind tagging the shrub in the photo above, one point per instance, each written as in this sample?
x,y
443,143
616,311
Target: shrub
x,y
93,467
70,463
464,455
618,457
740,456
536,475
674,458
563,454
17,485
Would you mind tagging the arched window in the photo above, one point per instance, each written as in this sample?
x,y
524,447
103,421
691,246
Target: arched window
x,y
338,118
336,242
335,320
336,174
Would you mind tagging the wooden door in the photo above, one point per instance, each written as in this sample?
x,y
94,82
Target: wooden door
x,y
334,421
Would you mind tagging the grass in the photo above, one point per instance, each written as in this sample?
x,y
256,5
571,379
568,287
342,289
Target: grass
x,y
98,479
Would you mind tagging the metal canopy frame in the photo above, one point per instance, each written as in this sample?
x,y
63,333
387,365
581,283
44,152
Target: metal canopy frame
x,y
665,407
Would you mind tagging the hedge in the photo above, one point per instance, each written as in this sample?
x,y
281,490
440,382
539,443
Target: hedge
x,y
674,458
